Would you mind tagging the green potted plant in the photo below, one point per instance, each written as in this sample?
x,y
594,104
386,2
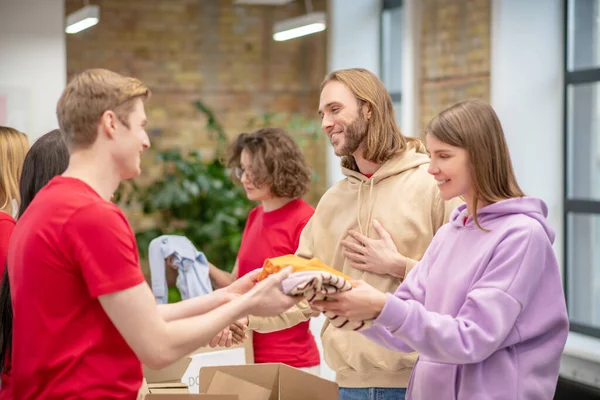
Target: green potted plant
x,y
197,198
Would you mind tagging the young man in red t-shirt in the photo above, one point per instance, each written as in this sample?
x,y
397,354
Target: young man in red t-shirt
x,y
273,171
84,317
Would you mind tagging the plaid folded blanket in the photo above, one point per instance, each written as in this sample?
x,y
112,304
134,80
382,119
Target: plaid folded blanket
x,y
314,280
315,286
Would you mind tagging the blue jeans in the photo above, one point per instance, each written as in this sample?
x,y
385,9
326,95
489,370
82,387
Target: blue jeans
x,y
372,394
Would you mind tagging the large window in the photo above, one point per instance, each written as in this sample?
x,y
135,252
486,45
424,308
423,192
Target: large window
x,y
391,51
582,164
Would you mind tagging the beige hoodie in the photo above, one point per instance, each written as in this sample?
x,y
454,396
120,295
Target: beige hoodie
x,y
404,197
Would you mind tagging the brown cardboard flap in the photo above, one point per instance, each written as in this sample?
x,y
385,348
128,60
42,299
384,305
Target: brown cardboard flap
x,y
174,385
172,373
264,375
168,388
163,390
295,384
284,382
191,397
223,383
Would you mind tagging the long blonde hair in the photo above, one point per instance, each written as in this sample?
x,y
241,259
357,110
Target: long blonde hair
x,y
474,126
13,148
384,137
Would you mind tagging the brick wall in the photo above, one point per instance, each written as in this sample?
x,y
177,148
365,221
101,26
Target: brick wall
x,y
455,54
208,50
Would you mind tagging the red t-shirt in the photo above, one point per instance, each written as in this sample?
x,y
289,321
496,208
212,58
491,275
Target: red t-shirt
x,y
68,248
7,224
272,234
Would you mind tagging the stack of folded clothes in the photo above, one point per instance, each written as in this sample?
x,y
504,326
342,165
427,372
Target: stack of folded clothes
x,y
314,280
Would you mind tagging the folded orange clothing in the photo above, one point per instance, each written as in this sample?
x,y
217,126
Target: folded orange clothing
x,y
299,264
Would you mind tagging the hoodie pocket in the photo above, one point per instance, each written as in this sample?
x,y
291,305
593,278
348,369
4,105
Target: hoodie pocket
x,y
337,346
347,350
431,380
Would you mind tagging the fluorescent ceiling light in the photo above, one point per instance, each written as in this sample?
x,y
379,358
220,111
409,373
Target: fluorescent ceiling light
x,y
83,19
299,26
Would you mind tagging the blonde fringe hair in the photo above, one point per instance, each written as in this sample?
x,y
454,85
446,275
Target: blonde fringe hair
x,y
13,148
384,137
474,126
90,94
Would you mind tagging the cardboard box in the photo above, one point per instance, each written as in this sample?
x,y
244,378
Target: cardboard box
x,y
266,382
172,373
161,388
244,390
211,357
165,381
168,388
183,377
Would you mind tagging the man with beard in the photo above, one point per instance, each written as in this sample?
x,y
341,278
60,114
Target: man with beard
x,y
373,225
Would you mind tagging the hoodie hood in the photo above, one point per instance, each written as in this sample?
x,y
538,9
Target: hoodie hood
x,y
395,166
531,206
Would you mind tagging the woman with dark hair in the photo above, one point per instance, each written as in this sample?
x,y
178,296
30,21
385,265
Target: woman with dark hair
x,y
47,158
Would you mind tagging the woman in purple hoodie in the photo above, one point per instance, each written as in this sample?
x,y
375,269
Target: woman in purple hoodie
x,y
485,307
